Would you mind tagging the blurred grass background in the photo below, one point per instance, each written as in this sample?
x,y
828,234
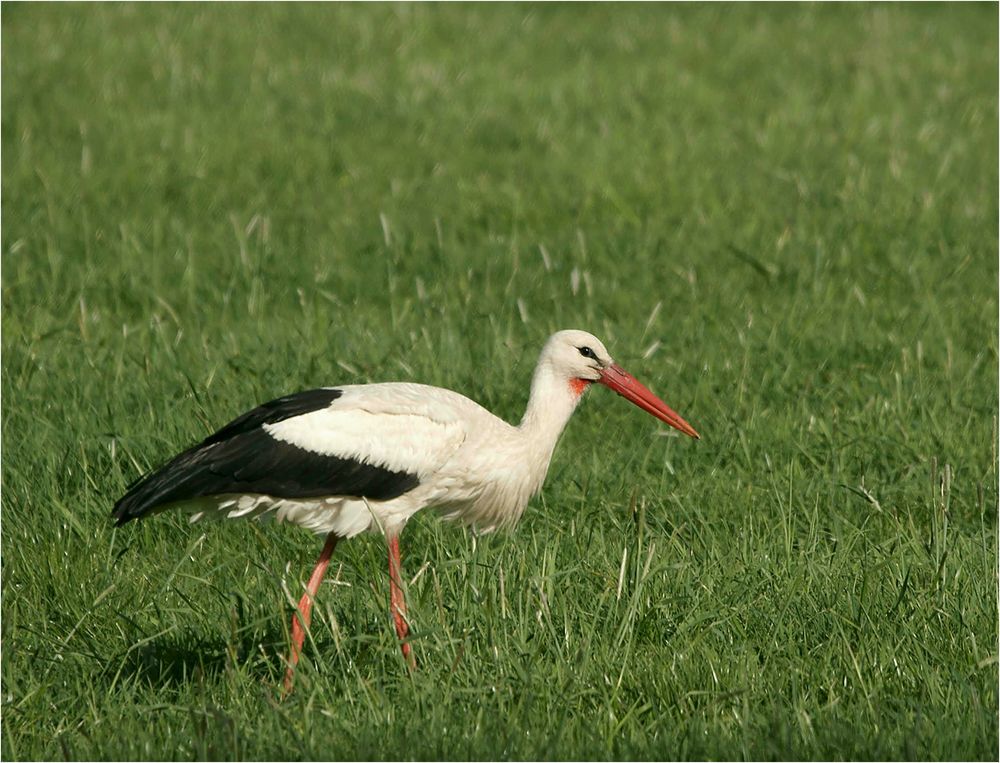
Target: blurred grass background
x,y
783,219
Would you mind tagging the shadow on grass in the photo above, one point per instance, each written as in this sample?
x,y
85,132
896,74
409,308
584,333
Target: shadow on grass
x,y
175,661
179,661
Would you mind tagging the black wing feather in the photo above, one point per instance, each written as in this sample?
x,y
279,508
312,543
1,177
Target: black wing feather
x,y
242,458
276,410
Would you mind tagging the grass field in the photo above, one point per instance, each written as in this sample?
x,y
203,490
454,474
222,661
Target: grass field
x,y
783,219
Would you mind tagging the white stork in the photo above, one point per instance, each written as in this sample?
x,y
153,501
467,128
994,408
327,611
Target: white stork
x,y
341,460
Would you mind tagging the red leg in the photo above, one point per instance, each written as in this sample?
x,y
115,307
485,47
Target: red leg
x,y
300,620
397,601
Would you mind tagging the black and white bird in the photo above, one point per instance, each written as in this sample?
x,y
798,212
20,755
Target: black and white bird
x,y
342,460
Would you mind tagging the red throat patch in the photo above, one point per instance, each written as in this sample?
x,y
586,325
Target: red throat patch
x,y
578,386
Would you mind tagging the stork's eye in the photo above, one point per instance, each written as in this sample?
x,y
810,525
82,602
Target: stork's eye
x,y
587,352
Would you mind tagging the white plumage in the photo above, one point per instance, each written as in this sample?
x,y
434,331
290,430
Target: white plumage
x,y
343,460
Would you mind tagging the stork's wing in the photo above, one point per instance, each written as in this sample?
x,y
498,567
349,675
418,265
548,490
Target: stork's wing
x,y
307,445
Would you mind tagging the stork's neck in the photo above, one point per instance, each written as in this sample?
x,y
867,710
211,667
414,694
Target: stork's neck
x,y
553,400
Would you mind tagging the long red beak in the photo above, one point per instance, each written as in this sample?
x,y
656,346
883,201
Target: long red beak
x,y
621,381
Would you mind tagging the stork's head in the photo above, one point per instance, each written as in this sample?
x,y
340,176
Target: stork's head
x,y
576,355
579,358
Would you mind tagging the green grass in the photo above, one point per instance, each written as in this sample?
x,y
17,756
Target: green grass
x,y
783,219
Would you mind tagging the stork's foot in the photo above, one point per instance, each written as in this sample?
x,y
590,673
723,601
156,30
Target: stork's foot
x,y
301,618
397,603
298,639
403,632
